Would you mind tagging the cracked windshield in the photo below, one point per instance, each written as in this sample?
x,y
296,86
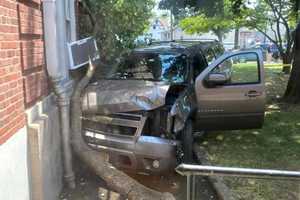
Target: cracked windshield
x,y
157,67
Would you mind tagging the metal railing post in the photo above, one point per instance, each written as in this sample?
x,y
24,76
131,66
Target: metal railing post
x,y
191,187
188,187
191,171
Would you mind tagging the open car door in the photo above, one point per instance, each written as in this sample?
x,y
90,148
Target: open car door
x,y
231,93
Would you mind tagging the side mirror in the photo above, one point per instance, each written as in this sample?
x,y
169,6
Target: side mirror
x,y
216,79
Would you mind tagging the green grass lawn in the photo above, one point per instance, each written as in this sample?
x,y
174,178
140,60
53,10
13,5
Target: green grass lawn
x,y
275,146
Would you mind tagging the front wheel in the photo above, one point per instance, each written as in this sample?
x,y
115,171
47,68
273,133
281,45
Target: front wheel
x,y
187,142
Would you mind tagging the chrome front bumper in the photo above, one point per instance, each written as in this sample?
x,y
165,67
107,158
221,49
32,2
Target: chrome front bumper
x,y
132,152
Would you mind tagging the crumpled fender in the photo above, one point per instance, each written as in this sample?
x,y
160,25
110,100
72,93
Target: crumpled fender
x,y
183,108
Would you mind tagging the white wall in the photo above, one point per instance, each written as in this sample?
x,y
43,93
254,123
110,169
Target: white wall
x,y
44,150
13,168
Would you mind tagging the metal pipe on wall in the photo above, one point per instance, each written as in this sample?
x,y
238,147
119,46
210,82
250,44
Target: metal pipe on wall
x,y
63,91
55,38
57,67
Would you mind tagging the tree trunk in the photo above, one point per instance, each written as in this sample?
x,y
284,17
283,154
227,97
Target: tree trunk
x,y
236,38
220,36
286,60
292,93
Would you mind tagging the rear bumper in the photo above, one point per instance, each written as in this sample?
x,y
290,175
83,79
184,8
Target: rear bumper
x,y
146,154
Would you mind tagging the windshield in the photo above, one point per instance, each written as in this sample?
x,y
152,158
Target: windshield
x,y
166,67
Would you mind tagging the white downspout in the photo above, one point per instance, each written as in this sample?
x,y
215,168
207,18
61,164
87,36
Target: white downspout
x,y
57,66
50,35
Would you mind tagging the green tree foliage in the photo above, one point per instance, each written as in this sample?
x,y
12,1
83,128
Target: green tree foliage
x,y
114,23
217,17
276,19
179,9
206,7
185,8
203,24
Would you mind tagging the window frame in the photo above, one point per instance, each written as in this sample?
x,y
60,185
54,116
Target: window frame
x,y
247,83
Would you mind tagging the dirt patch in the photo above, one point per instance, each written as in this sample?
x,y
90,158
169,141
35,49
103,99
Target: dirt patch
x,y
90,187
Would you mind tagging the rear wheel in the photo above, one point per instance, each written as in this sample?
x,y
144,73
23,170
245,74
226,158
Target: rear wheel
x,y
187,142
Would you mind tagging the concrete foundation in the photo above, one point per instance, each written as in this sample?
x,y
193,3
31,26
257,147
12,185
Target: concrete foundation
x,y
45,157
14,182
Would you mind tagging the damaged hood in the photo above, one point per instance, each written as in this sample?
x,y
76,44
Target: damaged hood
x,y
112,96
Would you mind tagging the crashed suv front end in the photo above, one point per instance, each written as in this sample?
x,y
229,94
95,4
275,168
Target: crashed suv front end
x,y
138,120
116,119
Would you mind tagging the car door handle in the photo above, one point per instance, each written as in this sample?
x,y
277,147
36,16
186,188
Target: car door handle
x,y
253,93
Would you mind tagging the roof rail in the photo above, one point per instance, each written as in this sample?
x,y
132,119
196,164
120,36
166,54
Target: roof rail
x,y
197,40
183,40
162,41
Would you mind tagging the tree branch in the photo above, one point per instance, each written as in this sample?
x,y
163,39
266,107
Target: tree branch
x,y
85,5
279,34
275,34
280,16
277,17
270,38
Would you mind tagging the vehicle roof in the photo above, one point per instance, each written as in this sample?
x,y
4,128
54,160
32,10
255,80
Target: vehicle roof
x,y
179,46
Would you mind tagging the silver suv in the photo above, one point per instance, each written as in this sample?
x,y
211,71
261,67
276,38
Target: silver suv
x,y
144,113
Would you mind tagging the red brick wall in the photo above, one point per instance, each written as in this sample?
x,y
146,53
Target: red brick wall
x,y
23,80
32,50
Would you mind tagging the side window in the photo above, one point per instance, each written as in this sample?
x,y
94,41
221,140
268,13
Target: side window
x,y
198,65
219,50
210,56
240,69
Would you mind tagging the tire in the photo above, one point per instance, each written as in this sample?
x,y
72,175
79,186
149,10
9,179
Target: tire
x,y
187,142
